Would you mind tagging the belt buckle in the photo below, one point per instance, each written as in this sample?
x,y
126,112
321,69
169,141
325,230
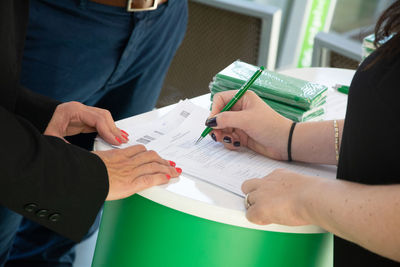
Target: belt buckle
x,y
130,9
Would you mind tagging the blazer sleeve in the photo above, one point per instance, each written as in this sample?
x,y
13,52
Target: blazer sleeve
x,y
55,184
37,109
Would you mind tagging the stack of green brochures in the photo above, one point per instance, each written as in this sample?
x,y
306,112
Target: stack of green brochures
x,y
295,99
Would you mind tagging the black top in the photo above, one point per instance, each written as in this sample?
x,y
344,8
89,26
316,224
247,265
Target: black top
x,y
46,180
370,144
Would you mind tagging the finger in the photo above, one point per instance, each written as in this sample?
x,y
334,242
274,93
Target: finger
x,y
95,120
250,185
124,134
229,119
255,215
250,198
154,167
100,120
242,137
220,134
132,150
118,133
235,140
145,157
149,180
151,174
106,127
220,100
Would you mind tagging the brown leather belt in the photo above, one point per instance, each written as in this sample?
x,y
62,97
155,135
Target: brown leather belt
x,y
132,5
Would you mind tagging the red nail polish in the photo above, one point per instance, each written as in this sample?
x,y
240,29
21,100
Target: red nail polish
x,y
173,164
119,141
126,138
168,176
179,170
124,132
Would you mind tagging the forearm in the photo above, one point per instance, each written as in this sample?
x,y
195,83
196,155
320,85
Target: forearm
x,y
366,215
314,142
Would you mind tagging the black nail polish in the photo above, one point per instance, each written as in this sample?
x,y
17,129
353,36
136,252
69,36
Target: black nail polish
x,y
214,137
227,139
211,122
237,143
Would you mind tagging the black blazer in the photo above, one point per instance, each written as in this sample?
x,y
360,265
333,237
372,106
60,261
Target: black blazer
x,y
41,177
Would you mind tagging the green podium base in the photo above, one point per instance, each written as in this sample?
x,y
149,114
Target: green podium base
x,y
140,232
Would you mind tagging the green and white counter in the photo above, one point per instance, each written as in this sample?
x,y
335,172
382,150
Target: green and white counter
x,y
192,223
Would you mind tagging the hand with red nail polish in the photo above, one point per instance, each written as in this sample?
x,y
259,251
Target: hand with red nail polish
x,y
73,118
134,169
124,132
173,164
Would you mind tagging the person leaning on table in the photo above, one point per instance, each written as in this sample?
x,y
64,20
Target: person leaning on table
x,y
361,207
43,178
100,54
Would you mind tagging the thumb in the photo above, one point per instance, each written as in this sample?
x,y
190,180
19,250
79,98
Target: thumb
x,y
230,119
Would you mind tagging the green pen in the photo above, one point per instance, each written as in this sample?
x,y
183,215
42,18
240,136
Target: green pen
x,y
233,101
342,88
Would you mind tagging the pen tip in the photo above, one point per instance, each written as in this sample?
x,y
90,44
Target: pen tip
x,y
198,140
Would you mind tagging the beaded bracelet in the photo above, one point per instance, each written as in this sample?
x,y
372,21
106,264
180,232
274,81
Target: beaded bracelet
x,y
336,128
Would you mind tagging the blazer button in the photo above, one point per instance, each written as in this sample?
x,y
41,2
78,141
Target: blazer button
x,y
55,217
31,207
42,213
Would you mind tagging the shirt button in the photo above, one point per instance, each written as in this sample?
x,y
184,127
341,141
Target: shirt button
x,y
31,207
55,217
42,213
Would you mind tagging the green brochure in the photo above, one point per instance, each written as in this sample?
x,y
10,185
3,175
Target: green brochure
x,y
271,85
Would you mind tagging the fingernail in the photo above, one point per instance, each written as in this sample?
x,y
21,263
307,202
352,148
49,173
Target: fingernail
x,y
214,137
227,139
211,122
126,138
237,143
119,141
173,164
168,176
179,170
124,132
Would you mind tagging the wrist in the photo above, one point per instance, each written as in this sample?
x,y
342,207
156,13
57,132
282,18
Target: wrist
x,y
307,203
285,133
289,143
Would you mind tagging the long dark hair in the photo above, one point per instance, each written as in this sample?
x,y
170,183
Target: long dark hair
x,y
389,24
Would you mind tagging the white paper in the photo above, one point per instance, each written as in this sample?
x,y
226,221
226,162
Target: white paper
x,y
174,135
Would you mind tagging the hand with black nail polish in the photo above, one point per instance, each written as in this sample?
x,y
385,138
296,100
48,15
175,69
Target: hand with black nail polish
x,y
250,123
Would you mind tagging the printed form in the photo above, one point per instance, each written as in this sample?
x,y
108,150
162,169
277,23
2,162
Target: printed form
x,y
173,137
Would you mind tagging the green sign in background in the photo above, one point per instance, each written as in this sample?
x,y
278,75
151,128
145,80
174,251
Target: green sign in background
x,y
316,22
139,232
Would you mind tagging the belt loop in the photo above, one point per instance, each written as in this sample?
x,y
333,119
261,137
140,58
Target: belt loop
x,y
82,4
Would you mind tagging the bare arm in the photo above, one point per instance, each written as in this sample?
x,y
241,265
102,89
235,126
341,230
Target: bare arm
x,y
363,214
314,142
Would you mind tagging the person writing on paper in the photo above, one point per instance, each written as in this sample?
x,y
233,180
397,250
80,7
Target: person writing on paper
x,y
361,207
45,179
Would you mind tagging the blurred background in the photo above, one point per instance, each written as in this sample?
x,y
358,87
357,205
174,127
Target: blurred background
x,y
279,34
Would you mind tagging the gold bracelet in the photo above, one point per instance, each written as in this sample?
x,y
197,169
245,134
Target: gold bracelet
x,y
336,128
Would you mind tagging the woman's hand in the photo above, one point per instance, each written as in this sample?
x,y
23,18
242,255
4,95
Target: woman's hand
x,y
251,123
277,198
72,118
134,169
